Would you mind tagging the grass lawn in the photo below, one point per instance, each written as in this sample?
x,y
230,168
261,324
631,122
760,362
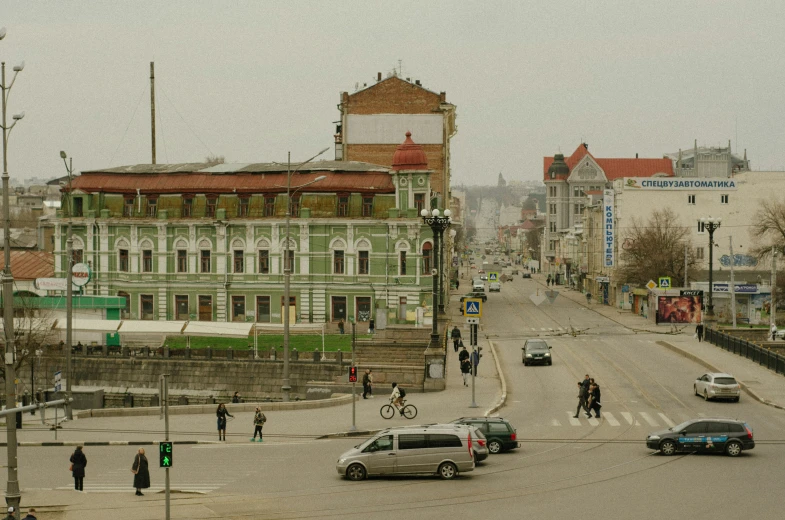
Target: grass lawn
x,y
304,342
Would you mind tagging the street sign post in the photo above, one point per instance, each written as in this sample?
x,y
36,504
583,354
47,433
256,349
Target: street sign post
x,y
493,277
651,285
664,282
473,321
472,308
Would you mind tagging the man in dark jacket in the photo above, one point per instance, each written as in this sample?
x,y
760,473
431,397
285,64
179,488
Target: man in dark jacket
x,y
699,331
456,337
583,396
366,383
30,514
11,513
141,473
594,399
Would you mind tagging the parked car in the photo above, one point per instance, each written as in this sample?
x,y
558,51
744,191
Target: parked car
x,y
536,351
703,436
717,386
499,433
441,449
479,445
494,287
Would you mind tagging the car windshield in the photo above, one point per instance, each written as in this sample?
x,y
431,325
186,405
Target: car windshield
x,y
680,427
539,345
724,381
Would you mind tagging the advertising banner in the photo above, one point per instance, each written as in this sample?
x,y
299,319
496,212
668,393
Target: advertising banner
x,y
679,309
661,184
608,233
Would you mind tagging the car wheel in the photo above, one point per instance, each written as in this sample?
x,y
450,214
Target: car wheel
x,y
736,399
550,363
667,447
495,446
355,472
525,363
705,395
733,449
448,471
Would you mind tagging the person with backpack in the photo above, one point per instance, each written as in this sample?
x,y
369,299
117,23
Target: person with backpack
x,y
396,397
258,420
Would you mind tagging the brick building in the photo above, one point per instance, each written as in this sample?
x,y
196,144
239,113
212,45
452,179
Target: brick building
x,y
374,118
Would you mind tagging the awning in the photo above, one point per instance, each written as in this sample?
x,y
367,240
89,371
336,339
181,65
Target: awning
x,y
218,329
149,327
85,325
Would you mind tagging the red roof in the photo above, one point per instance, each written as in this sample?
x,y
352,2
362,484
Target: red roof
x,y
29,265
200,182
616,168
409,156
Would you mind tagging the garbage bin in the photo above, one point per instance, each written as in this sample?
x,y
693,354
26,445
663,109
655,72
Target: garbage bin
x,y
316,355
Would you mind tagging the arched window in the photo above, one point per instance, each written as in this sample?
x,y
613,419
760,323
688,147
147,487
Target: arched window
x,y
427,258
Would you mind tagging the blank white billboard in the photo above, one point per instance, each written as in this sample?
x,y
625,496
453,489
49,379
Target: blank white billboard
x,y
392,128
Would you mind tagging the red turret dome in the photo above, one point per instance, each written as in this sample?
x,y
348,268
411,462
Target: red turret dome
x,y
409,156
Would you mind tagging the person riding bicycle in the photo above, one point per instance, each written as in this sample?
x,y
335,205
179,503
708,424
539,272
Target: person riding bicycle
x,y
396,397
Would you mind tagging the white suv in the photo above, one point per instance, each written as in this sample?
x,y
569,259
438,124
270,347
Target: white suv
x,y
717,386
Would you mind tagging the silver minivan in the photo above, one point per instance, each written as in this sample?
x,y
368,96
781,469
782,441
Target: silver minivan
x,y
440,449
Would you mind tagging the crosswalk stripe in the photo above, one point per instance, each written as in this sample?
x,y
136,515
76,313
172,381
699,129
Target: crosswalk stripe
x,y
573,420
593,421
542,329
667,421
533,328
629,418
550,329
555,422
648,419
610,418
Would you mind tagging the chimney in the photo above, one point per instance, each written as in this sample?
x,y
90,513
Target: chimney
x,y
378,76
636,155
586,145
417,82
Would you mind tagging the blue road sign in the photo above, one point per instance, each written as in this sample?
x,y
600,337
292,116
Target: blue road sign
x,y
472,308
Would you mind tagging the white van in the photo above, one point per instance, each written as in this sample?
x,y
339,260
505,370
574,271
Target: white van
x,y
440,449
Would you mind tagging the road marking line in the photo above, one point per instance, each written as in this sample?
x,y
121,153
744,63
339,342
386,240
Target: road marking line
x,y
593,421
610,418
573,420
667,421
542,329
555,422
648,419
628,417
533,328
550,329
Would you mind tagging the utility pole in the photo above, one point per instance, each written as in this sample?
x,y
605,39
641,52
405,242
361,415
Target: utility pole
x,y
354,383
152,105
686,250
773,306
69,290
732,284
164,391
473,340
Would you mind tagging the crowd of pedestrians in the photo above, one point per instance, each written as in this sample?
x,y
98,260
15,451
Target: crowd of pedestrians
x,y
589,398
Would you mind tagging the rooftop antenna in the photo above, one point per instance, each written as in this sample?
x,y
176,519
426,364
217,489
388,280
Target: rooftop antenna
x,y
400,67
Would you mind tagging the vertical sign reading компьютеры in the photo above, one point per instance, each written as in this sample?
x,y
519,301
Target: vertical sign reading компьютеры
x,y
608,234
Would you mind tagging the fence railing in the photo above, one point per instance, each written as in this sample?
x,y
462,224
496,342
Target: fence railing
x,y
742,347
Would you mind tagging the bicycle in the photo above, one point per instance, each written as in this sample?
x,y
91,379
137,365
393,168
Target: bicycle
x,y
388,410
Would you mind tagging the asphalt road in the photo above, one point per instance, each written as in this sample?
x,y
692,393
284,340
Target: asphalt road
x,y
565,467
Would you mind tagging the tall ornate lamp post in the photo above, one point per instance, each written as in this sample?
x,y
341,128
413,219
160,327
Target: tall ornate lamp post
x,y
438,222
69,294
286,387
711,224
12,495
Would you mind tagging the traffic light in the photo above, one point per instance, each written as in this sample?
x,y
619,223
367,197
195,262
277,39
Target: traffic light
x,y
165,454
352,374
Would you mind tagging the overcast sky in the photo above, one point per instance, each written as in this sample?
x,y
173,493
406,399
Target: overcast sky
x,y
253,80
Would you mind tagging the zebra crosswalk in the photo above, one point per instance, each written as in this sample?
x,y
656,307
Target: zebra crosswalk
x,y
121,481
617,419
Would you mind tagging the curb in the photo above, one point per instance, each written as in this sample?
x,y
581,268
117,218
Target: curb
x,y
342,435
692,357
503,398
101,443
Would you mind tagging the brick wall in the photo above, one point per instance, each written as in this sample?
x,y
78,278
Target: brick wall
x,y
393,96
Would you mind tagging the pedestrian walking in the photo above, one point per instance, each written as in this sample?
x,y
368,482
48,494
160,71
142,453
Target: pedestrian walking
x,y
463,354
366,383
258,421
11,513
699,332
221,414
594,400
141,472
370,384
548,281
340,326
371,326
466,368
773,332
236,397
475,360
78,464
456,337
30,514
457,285
583,396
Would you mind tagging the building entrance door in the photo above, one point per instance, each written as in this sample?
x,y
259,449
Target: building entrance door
x,y
205,308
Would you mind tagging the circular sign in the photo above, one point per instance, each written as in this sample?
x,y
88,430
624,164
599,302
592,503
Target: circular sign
x,y
81,274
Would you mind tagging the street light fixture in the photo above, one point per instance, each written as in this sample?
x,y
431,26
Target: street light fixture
x,y
69,290
438,224
711,224
286,387
12,494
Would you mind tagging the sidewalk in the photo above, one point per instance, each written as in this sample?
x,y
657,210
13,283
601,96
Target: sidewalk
x,y
759,382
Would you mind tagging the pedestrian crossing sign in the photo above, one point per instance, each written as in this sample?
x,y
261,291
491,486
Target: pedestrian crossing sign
x,y
472,308
493,277
665,282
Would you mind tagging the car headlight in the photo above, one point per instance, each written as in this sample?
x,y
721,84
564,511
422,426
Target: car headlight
x,y
547,354
654,437
341,461
528,355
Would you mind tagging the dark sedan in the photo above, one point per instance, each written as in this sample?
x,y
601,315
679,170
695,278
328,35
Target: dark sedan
x,y
536,352
703,436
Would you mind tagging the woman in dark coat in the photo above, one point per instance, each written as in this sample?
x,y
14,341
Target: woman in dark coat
x,y
221,414
466,368
594,399
78,463
141,473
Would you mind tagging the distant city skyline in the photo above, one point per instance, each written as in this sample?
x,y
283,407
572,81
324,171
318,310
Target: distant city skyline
x,y
252,81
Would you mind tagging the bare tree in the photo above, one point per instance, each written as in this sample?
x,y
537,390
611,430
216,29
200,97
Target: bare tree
x,y
768,228
655,248
215,159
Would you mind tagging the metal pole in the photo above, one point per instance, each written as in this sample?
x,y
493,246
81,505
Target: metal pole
x,y
12,495
773,305
473,334
441,270
732,284
435,325
686,249
69,312
286,387
166,434
152,106
354,384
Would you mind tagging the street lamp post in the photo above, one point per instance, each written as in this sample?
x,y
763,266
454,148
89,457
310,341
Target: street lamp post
x,y
438,224
286,387
12,495
69,290
711,224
